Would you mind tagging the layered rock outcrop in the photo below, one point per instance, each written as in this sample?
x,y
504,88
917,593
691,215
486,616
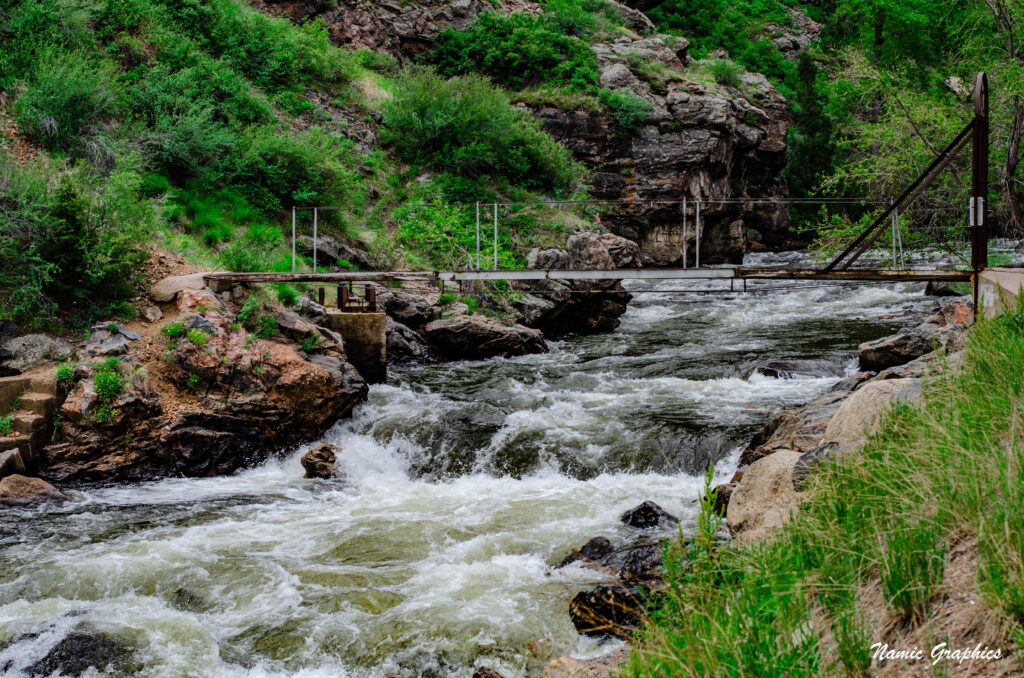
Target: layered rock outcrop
x,y
724,146
227,398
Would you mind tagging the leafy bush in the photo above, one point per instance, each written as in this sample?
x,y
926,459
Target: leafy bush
x,y
6,425
65,373
629,111
286,294
256,318
517,50
725,72
466,126
108,383
67,98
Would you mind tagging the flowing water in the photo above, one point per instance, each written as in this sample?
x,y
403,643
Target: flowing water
x,y
466,481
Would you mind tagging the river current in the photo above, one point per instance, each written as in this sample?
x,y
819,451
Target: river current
x,y
465,483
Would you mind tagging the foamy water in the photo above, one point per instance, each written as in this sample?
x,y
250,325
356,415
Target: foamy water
x,y
465,482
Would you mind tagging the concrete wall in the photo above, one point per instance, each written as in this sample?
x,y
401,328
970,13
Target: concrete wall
x,y
366,342
998,288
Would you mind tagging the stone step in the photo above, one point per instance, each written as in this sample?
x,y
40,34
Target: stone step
x,y
10,389
27,423
46,383
38,403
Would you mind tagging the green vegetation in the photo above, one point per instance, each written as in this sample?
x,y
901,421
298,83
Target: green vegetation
x,y
256,317
6,425
65,373
464,126
192,382
944,473
108,381
198,337
175,330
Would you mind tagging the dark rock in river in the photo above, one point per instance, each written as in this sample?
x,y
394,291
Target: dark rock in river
x,y
468,337
787,369
594,550
79,651
320,461
648,515
643,566
724,491
484,672
406,308
406,346
608,610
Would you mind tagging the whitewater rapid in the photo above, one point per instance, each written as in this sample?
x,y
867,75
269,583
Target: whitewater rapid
x,y
464,483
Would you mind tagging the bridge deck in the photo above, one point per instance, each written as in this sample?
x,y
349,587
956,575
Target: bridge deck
x,y
744,273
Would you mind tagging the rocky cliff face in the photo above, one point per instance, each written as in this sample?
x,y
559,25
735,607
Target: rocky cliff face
x,y
397,26
723,146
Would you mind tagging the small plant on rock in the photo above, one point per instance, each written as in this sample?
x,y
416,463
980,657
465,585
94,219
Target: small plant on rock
x,y
65,373
312,343
198,337
112,328
108,384
6,424
193,382
174,330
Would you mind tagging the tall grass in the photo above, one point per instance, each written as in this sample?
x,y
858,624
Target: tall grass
x,y
949,467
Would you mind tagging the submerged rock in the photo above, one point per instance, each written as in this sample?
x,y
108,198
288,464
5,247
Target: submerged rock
x,y
484,672
79,651
320,461
594,550
18,491
648,515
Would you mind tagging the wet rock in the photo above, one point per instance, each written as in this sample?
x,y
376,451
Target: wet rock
x,y
406,346
648,515
799,429
79,651
904,346
861,413
765,497
31,349
406,308
593,551
320,461
18,491
724,492
168,288
151,313
608,610
939,289
474,337
787,369
643,566
852,382
484,672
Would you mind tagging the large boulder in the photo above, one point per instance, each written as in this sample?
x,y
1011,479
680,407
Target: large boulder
x,y
765,497
18,491
168,288
406,308
406,346
249,397
904,346
860,415
475,337
31,349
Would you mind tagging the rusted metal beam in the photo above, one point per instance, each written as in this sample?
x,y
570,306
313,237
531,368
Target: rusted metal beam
x,y
613,274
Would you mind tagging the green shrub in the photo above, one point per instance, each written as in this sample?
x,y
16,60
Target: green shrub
x,y
255,317
517,50
68,97
724,72
198,337
6,425
286,294
465,126
65,373
629,111
108,383
174,330
446,298
192,382
311,343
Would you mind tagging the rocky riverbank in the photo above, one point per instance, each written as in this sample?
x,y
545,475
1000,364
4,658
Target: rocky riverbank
x,y
771,481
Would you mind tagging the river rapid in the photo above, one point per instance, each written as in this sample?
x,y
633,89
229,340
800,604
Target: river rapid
x,y
466,482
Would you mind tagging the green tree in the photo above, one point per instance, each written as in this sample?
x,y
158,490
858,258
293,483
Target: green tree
x,y
811,151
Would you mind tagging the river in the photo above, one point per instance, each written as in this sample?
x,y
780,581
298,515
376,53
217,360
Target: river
x,y
466,481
